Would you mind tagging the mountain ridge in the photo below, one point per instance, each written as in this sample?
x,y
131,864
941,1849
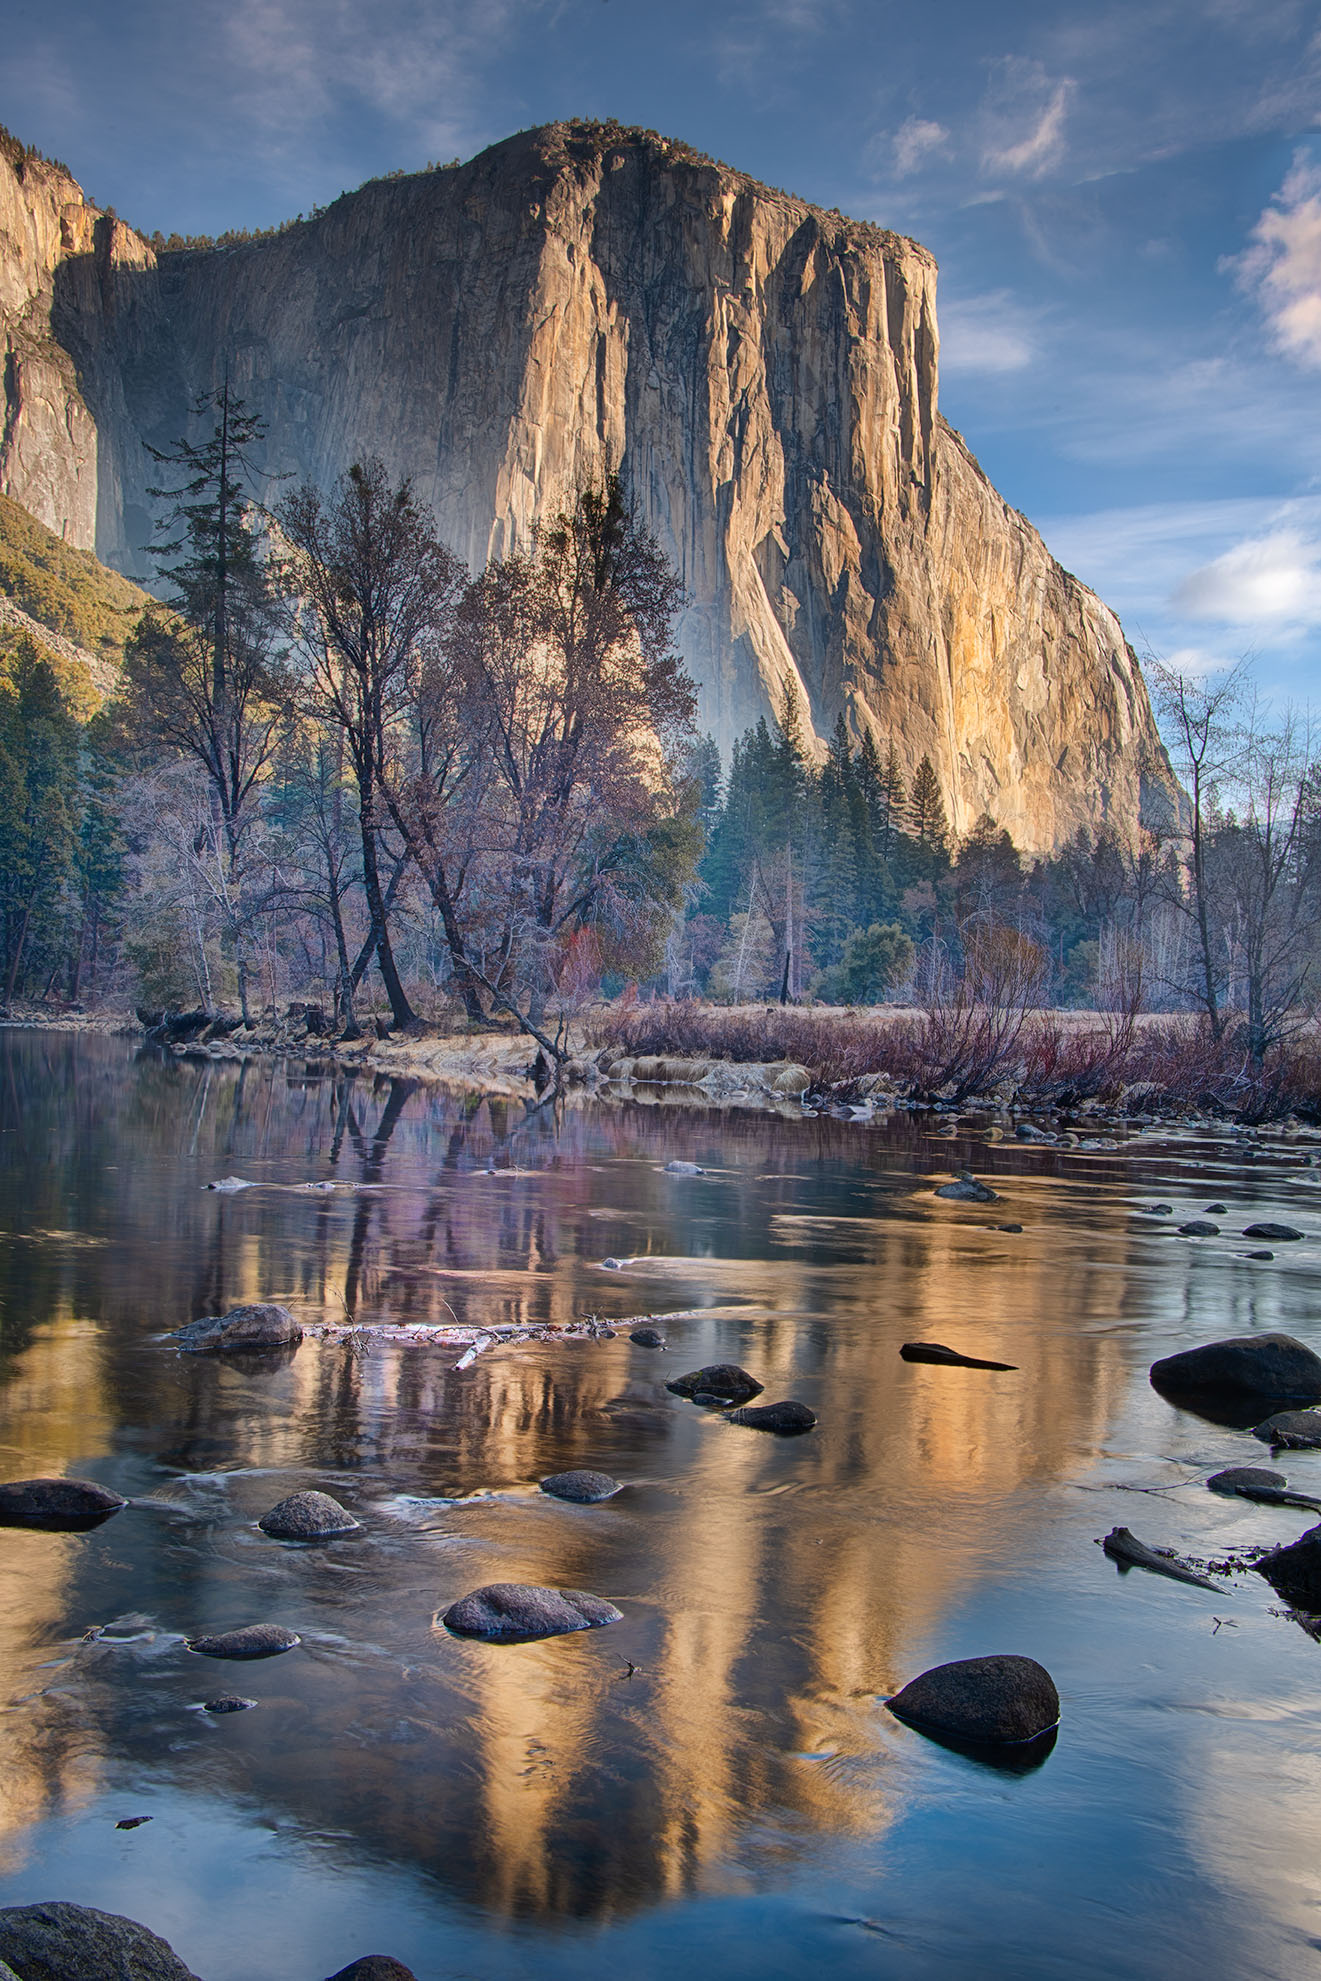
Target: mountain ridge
x,y
764,373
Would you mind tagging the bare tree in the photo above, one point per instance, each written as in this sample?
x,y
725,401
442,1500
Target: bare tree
x,y
371,585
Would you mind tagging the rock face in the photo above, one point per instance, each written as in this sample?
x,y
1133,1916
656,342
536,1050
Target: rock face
x,y
1273,1365
61,1942
1005,1698
765,373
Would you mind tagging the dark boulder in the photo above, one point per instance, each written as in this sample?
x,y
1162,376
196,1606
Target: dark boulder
x,y
243,1328
647,1338
375,1967
1245,1480
1004,1698
228,1702
1291,1430
55,1941
1259,1255
933,1351
1294,1571
1269,1365
307,1517
967,1190
721,1379
1009,1227
582,1487
57,1503
1199,1227
789,1419
1216,1210
518,1612
1278,1234
254,1640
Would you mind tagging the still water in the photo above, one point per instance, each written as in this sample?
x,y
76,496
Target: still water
x,y
712,1786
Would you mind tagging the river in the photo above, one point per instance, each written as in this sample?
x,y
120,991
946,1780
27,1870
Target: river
x,y
713,1785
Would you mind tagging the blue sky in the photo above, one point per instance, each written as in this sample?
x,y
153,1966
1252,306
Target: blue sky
x,y
1125,200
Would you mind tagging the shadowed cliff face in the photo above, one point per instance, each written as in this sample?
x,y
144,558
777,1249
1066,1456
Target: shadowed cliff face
x,y
765,374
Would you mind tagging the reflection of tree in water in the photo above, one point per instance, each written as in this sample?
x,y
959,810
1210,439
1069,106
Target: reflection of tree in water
x,y
772,1591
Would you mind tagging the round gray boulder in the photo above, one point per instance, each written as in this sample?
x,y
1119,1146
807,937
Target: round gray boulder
x,y
57,1503
1000,1699
718,1379
583,1487
518,1612
1247,1479
262,1325
1295,1571
307,1517
789,1419
1268,1365
1279,1234
1291,1430
55,1941
1199,1227
647,1338
254,1640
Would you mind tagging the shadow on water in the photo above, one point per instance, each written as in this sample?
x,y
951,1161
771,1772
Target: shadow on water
x,y
726,1743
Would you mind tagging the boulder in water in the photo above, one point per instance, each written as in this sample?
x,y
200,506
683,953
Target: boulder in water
x,y
683,1169
1001,1699
585,1488
1244,1480
56,1941
228,1702
1278,1234
307,1517
724,1380
1294,1571
647,1338
375,1967
789,1418
1199,1227
1268,1365
934,1351
966,1189
1291,1430
254,1640
260,1326
61,1504
519,1612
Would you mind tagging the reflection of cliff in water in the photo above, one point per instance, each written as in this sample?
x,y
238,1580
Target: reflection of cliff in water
x,y
772,1590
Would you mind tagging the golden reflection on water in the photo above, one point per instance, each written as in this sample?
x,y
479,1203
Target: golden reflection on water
x,y
774,1591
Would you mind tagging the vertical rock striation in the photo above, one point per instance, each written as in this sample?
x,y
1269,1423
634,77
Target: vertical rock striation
x,y
764,373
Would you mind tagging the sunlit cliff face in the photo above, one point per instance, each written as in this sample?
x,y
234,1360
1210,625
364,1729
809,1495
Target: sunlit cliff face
x,y
772,1589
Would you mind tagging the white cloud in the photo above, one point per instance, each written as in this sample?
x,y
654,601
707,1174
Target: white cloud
x,y
1269,580
1283,265
1023,118
990,333
915,141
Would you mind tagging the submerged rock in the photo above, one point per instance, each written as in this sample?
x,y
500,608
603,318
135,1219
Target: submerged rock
x,y
1279,1234
647,1338
582,1487
1291,1430
968,1190
375,1967
1295,1571
1259,1255
1199,1227
1217,1210
789,1418
56,1941
933,1351
722,1380
260,1326
1004,1698
57,1503
518,1612
1269,1365
1009,1227
683,1169
228,1702
230,1185
307,1517
254,1640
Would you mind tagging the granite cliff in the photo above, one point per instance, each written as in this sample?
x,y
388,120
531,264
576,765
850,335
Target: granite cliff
x,y
765,374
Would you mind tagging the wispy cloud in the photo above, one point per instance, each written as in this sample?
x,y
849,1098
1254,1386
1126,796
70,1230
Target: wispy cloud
x,y
1271,581
1024,116
1282,267
914,142
989,333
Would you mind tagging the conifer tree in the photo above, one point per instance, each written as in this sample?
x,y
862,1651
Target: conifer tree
x,y
926,808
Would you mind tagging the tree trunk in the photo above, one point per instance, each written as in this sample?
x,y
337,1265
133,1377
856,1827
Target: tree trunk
x,y
400,1009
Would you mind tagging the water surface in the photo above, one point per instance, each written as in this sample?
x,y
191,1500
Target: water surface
x,y
713,1784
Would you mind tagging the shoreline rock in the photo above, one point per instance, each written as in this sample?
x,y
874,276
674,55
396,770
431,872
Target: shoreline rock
x,y
1004,1699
